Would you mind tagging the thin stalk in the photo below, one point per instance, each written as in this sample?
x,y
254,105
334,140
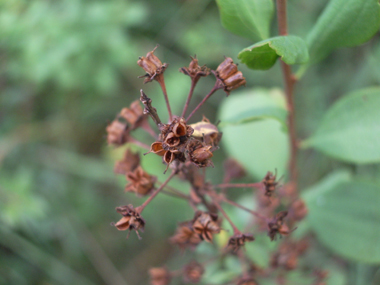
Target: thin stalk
x,y
193,83
289,80
142,207
138,143
216,87
239,185
236,230
161,81
257,215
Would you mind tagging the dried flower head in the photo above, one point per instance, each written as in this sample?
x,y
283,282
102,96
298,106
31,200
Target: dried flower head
x,y
159,276
238,240
194,70
152,66
247,281
277,226
228,73
286,256
185,236
298,210
200,154
206,225
193,272
130,162
131,220
140,182
133,115
270,183
117,133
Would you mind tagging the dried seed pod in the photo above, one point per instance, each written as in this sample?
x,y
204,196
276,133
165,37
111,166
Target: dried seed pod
x,y
270,183
229,75
140,182
133,115
131,220
238,240
156,148
199,154
130,162
277,226
298,210
117,133
185,236
206,225
194,70
247,281
159,276
180,128
172,140
193,272
152,66
207,132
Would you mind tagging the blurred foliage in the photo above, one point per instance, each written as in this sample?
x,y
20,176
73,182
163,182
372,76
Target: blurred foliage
x,y
67,67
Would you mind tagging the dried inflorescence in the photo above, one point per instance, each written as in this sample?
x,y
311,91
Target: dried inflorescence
x,y
187,149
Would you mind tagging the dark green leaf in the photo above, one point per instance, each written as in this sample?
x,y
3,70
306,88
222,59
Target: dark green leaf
x,y
247,18
350,130
263,55
344,23
345,215
263,141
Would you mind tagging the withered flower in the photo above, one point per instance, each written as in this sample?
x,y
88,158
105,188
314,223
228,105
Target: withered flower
x,y
228,73
247,281
140,182
131,220
129,162
206,225
159,276
200,154
185,236
195,71
270,183
152,66
193,272
133,115
277,226
117,133
298,210
239,240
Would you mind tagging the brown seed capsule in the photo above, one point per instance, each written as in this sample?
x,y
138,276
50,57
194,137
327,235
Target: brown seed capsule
x,y
194,70
239,240
270,183
180,128
185,236
152,66
117,133
206,225
193,272
172,140
229,75
156,148
159,276
298,210
277,226
131,220
140,182
129,162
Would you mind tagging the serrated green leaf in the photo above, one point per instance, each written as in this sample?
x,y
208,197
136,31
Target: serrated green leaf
x,y
344,23
345,215
350,130
263,142
250,19
263,55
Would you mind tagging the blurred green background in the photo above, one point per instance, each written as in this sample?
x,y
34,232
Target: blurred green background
x,y
66,69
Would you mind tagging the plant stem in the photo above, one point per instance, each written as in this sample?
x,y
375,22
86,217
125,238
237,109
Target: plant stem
x,y
257,215
216,87
138,143
289,80
239,185
147,201
236,230
161,81
193,83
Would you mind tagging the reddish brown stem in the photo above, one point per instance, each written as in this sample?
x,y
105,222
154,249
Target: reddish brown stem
x,y
147,201
138,143
257,215
193,83
161,81
239,185
216,87
236,230
289,80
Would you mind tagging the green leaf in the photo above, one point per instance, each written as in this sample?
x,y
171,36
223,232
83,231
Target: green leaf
x,y
263,55
344,23
350,130
250,19
270,106
262,145
345,215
